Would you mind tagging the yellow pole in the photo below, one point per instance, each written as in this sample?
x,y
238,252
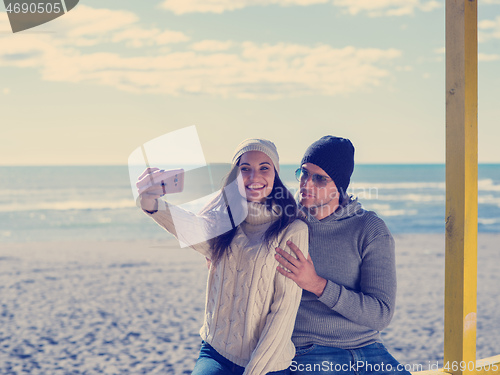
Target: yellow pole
x,y
461,187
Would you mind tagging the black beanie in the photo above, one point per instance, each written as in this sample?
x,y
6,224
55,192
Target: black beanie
x,y
335,156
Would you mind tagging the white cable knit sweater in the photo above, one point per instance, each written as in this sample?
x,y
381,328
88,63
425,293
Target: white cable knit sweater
x,y
250,307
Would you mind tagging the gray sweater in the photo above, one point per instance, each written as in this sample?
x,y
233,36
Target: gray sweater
x,y
354,250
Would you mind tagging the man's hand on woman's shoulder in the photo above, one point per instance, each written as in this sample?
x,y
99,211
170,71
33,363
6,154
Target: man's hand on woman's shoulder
x,y
300,269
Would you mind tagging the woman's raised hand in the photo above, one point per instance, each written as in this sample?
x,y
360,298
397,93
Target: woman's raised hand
x,y
149,188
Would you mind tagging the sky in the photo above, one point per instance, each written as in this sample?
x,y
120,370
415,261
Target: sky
x,y
94,85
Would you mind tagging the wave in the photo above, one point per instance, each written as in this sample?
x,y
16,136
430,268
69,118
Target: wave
x,y
397,212
397,185
483,185
378,207
489,200
488,185
68,205
489,221
421,198
5,233
382,194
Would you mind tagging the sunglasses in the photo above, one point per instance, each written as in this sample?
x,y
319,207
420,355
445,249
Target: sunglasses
x,y
302,175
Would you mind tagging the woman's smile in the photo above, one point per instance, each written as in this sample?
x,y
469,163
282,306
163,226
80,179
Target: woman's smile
x,y
256,186
257,171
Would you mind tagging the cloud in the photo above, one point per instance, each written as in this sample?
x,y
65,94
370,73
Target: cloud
x,y
86,27
212,45
373,8
488,29
206,67
379,8
488,57
137,37
220,6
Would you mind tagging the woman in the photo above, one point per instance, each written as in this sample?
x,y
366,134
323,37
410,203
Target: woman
x,y
250,308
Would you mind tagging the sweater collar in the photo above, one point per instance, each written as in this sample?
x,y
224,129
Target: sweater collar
x,y
258,213
351,208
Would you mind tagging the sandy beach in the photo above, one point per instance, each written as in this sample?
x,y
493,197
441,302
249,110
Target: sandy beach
x,y
136,307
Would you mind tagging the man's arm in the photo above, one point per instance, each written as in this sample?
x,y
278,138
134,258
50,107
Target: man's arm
x,y
300,269
373,304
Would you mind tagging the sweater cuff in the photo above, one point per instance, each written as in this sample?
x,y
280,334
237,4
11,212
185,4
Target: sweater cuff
x,y
162,206
331,294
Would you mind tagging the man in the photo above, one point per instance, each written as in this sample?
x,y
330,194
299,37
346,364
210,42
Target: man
x,y
349,279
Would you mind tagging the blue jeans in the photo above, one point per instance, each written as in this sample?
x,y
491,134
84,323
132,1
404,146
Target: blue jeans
x,y
371,359
212,363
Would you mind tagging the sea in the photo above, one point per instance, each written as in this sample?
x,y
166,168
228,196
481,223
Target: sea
x,y
68,203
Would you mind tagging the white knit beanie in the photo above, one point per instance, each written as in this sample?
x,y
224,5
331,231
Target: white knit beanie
x,y
256,144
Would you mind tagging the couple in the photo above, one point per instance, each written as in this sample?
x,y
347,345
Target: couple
x,y
269,308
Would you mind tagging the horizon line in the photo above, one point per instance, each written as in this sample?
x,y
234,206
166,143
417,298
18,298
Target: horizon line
x,y
126,165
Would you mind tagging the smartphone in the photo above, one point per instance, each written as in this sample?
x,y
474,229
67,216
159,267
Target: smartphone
x,y
173,181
